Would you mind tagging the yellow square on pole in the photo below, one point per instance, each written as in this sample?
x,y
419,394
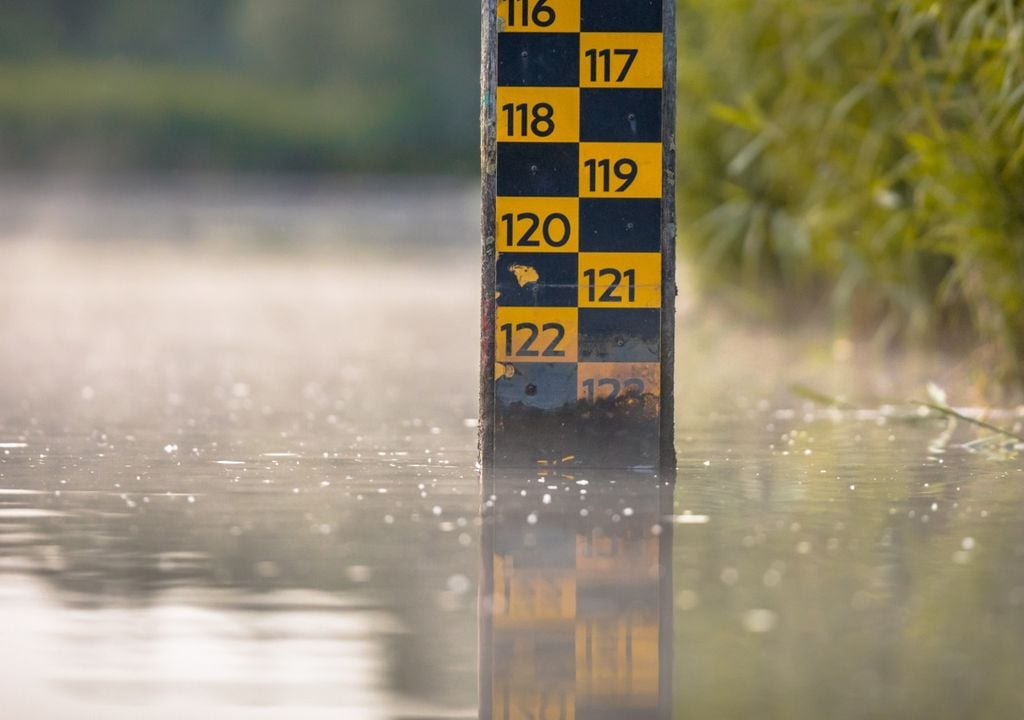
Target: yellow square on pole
x,y
621,60
620,170
562,16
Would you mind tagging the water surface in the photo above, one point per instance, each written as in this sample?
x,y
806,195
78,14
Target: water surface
x,y
237,479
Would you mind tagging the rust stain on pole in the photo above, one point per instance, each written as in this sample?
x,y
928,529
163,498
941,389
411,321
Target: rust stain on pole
x,y
578,220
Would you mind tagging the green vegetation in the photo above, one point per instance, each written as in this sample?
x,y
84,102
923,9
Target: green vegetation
x,y
867,151
110,116
250,85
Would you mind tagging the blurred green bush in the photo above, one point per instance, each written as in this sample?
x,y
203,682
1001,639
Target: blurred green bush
x,y
864,155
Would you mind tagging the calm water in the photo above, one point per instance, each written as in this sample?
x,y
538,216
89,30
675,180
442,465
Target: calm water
x,y
237,480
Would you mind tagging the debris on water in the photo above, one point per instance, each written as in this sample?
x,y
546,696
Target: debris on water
x,y
229,462
531,518
12,445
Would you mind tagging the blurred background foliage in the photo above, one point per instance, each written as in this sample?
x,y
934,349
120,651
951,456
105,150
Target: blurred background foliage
x,y
252,85
865,153
860,160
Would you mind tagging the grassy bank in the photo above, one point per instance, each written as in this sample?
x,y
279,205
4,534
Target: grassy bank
x,y
868,155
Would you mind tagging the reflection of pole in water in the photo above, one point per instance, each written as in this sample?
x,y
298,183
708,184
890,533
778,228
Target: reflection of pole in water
x,y
576,598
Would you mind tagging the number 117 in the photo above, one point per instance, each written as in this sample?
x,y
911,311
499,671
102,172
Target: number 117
x,y
601,60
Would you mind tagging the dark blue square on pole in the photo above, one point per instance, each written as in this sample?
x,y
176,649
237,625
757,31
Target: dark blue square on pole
x,y
632,115
535,413
620,225
621,16
537,280
538,169
538,59
536,386
626,335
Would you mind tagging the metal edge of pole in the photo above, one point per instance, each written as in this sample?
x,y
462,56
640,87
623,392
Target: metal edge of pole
x,y
666,659
485,423
668,241
488,191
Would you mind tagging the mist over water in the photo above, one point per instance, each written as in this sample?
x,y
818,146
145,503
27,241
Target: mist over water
x,y
237,479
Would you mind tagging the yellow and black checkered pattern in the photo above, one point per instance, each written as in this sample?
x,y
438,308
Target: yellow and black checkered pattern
x,y
578,227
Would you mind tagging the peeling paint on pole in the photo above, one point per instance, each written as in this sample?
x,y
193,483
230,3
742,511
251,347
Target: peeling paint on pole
x,y
578,153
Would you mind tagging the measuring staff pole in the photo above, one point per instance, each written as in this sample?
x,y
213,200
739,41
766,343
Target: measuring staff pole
x,y
578,219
